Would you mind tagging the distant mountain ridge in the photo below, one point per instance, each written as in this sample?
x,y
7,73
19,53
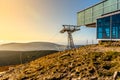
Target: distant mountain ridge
x,y
32,46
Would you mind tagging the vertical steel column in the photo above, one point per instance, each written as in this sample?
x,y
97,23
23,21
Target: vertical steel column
x,y
96,29
70,41
111,28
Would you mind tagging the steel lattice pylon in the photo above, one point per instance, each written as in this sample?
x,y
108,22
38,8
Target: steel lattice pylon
x,y
70,29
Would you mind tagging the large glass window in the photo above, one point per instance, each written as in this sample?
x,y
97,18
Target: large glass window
x,y
108,27
103,28
116,26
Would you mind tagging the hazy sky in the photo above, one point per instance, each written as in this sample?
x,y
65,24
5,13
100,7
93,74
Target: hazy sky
x,y
41,20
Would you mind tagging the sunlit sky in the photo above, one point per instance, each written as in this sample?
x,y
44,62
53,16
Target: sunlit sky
x,y
41,20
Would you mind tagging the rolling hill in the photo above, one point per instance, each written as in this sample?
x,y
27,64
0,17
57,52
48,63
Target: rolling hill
x,y
17,53
32,46
92,62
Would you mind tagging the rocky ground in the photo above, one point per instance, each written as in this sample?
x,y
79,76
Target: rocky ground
x,y
92,62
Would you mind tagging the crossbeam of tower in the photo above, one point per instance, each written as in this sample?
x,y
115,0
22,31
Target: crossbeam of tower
x,y
70,29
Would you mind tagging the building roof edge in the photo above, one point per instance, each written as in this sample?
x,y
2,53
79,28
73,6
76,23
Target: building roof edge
x,y
91,6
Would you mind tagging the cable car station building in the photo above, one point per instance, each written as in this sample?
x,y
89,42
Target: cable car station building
x,y
105,16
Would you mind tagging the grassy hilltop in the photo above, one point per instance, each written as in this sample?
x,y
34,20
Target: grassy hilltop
x,y
85,63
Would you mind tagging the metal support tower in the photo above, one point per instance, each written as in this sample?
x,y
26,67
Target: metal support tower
x,y
70,29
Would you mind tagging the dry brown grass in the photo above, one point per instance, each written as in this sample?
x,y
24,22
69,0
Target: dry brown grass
x,y
87,62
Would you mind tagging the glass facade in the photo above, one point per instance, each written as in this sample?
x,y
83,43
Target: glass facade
x,y
81,18
108,27
90,14
98,10
110,5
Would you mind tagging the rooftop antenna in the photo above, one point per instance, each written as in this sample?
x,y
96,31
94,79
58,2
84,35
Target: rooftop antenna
x,y
70,29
